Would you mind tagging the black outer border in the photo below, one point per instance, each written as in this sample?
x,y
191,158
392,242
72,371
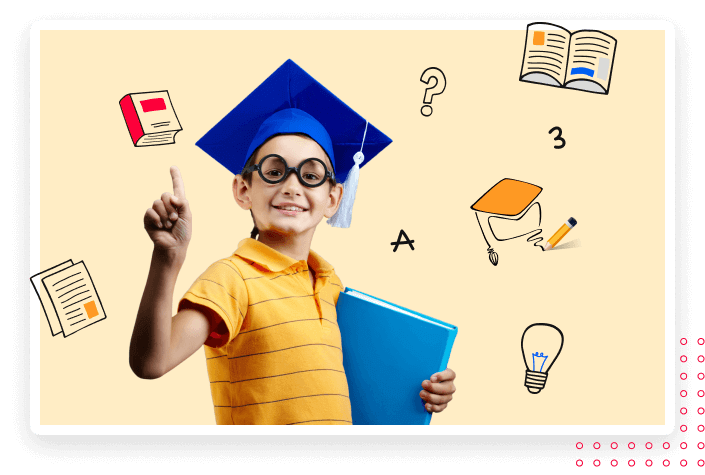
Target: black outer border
x,y
501,451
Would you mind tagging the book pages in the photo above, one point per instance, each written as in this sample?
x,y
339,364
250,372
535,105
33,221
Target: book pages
x,y
545,54
44,298
591,59
73,298
391,306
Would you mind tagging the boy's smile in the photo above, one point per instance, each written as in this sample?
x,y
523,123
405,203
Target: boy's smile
x,y
288,209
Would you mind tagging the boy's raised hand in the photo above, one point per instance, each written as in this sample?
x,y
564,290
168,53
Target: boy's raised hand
x,y
168,221
439,390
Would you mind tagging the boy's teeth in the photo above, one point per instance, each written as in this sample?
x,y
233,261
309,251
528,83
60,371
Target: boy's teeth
x,y
290,208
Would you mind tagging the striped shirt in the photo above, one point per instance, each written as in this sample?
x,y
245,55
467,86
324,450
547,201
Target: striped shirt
x,y
275,357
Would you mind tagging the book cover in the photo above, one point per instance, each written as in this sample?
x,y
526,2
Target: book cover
x,y
150,118
388,351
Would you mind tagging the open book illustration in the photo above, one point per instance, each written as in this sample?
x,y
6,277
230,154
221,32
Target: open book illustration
x,y
556,57
150,118
69,299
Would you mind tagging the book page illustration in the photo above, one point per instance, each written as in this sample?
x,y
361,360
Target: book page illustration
x,y
44,298
545,54
74,301
591,59
150,118
556,57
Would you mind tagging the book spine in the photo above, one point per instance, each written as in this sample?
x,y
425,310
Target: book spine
x,y
444,361
134,126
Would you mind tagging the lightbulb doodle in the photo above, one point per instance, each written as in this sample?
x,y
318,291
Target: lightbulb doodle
x,y
541,344
515,200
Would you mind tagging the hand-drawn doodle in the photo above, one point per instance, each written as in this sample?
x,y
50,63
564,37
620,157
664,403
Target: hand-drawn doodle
x,y
69,299
558,137
541,343
150,118
581,60
509,198
399,242
436,89
560,234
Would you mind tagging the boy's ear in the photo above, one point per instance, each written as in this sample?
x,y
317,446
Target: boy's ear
x,y
241,192
334,197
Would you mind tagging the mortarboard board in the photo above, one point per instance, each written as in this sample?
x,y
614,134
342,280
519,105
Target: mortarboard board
x,y
507,198
290,101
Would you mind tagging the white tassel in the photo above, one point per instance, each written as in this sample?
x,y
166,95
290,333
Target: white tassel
x,y
343,217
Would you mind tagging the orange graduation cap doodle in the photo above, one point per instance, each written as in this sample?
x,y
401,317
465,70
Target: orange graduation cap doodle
x,y
507,209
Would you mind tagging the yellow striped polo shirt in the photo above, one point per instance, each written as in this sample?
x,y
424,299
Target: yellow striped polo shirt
x,y
275,357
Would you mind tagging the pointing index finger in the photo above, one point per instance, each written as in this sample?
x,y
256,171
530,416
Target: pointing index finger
x,y
178,183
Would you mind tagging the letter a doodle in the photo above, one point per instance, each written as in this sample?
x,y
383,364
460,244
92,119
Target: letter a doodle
x,y
398,242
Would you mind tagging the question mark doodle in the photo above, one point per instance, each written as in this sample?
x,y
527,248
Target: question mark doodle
x,y
440,86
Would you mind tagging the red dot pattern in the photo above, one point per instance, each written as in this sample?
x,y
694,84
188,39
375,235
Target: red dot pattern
x,y
682,423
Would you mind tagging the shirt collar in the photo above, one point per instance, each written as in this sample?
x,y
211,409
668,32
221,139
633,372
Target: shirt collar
x,y
275,261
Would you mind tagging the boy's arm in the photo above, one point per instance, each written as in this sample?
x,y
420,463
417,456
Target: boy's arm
x,y
160,343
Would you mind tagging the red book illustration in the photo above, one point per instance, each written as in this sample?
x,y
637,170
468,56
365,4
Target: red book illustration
x,y
150,118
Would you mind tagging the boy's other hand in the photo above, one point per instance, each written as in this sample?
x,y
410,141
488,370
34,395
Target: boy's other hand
x,y
438,391
168,221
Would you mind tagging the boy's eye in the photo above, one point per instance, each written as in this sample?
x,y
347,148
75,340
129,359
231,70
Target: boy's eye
x,y
274,173
313,171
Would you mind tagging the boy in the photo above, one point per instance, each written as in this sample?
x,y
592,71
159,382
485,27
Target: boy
x,y
267,313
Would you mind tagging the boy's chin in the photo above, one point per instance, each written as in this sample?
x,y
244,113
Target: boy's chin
x,y
287,231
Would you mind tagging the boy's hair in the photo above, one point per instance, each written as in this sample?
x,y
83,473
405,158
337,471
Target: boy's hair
x,y
251,161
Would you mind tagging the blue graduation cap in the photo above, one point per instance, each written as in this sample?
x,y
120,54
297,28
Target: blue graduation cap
x,y
291,101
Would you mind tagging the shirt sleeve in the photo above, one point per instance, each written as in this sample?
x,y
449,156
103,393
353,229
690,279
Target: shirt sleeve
x,y
337,287
219,292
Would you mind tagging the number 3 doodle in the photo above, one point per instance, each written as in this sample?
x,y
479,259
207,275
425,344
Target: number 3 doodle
x,y
558,137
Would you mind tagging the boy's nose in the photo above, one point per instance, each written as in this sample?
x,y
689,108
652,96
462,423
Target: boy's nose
x,y
292,185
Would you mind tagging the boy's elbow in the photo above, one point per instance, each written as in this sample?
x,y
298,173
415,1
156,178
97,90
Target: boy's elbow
x,y
145,371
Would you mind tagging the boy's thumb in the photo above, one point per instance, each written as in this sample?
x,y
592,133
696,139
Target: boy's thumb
x,y
181,205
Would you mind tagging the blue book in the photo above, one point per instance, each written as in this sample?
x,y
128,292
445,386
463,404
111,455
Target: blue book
x,y
388,351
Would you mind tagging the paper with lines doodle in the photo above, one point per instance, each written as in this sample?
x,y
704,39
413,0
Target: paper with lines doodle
x,y
74,299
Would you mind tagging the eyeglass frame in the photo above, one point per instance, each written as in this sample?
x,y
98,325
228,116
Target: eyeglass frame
x,y
288,170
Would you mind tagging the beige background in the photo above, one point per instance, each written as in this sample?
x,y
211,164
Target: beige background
x,y
607,295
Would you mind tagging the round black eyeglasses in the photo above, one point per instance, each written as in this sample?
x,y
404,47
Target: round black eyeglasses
x,y
312,172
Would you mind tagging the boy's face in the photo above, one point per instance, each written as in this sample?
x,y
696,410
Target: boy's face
x,y
267,201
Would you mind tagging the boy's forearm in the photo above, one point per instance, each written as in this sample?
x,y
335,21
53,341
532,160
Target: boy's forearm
x,y
151,337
